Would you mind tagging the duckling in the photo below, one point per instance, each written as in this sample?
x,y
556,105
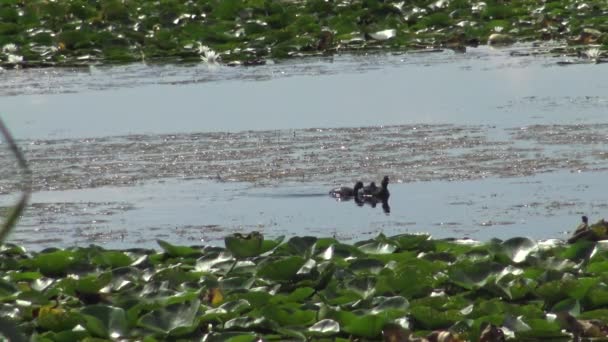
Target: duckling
x,y
345,191
369,190
381,193
583,226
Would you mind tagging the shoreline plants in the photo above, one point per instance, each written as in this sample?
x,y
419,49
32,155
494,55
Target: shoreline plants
x,y
40,33
400,288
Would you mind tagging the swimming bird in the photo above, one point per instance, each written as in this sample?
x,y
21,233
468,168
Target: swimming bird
x,y
369,190
345,191
379,193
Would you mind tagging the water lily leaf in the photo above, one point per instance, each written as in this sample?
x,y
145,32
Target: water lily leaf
x,y
571,306
281,270
57,319
473,275
517,288
231,337
245,246
226,311
327,270
569,287
596,297
42,284
597,267
406,280
7,288
600,314
172,317
369,326
579,251
364,286
432,319
389,303
207,262
24,276
55,263
268,245
308,268
105,321
64,336
236,283
10,249
255,298
325,327
302,246
298,295
289,314
112,259
378,247
89,284
517,249
178,251
372,266
175,276
246,323
384,34
541,328
410,241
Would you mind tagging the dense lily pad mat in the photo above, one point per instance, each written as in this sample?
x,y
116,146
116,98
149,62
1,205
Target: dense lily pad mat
x,y
307,288
44,33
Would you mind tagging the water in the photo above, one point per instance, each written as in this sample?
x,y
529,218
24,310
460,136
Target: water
x,y
484,86
126,155
193,211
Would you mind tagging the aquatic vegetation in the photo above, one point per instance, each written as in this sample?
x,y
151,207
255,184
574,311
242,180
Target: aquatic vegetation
x,y
42,33
308,288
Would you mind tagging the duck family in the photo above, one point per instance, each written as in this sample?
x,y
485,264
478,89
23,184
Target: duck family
x,y
346,192
360,192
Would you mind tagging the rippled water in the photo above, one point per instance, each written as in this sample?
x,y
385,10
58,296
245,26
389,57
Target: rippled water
x,y
480,144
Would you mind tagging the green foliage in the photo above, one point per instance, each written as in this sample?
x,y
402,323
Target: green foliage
x,y
125,31
304,288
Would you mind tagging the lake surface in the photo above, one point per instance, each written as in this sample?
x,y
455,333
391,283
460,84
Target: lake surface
x,y
483,144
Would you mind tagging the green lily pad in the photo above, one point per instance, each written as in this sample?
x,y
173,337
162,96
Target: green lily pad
x,y
517,249
55,263
112,259
57,319
245,246
325,327
368,326
472,275
281,270
105,321
178,251
172,317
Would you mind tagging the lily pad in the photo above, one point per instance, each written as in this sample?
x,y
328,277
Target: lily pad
x,y
325,327
245,246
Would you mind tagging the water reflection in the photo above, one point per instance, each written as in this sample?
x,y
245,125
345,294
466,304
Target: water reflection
x,y
373,202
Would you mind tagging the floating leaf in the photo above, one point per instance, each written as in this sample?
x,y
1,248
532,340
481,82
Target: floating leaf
x,y
178,251
105,321
245,246
518,248
55,263
281,270
325,327
172,317
384,34
473,275
57,319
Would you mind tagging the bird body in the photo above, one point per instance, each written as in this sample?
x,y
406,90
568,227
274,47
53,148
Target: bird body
x,y
345,191
380,193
